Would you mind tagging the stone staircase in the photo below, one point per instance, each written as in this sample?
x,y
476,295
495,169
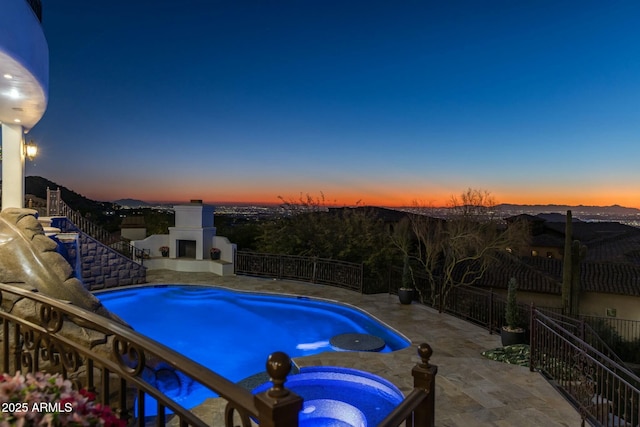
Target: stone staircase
x,y
46,226
101,262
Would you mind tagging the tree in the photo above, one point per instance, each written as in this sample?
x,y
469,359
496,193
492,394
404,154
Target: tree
x,y
459,250
401,236
512,311
303,229
310,228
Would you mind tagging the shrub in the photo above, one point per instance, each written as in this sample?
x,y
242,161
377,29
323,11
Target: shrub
x,y
512,312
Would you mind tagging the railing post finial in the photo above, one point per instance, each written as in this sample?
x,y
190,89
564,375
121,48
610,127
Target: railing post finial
x,y
278,407
425,352
278,367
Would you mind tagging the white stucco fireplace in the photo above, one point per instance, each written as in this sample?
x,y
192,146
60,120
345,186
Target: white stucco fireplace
x,y
193,234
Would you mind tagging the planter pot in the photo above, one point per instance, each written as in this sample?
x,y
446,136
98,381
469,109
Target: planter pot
x,y
215,255
165,254
405,295
513,337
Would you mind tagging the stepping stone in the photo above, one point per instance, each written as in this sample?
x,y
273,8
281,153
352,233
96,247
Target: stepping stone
x,y
357,342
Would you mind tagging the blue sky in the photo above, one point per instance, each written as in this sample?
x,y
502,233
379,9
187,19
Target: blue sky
x,y
386,103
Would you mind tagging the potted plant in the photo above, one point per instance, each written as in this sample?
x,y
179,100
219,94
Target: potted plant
x,y
512,332
164,250
215,253
405,292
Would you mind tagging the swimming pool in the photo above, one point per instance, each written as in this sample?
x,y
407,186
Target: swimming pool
x,y
240,329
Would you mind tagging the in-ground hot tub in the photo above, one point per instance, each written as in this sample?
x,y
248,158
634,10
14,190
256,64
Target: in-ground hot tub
x,y
341,397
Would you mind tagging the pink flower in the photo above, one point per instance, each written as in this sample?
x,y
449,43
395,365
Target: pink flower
x,y
38,388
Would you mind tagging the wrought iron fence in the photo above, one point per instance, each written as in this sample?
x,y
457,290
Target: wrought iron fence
x,y
628,330
122,368
585,332
605,392
126,249
482,307
617,338
324,271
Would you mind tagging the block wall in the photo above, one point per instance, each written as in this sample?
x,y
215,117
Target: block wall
x,y
102,267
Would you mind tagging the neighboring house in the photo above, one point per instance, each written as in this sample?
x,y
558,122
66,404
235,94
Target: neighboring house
x,y
609,275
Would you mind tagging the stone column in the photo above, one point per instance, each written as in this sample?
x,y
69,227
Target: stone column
x,y
13,159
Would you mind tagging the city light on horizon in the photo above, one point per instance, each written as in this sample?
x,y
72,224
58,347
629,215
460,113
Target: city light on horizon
x,y
425,199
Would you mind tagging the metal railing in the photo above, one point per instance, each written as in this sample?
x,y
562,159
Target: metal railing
x,y
585,332
605,392
628,330
77,223
486,308
126,249
44,339
482,307
41,334
418,408
86,226
324,271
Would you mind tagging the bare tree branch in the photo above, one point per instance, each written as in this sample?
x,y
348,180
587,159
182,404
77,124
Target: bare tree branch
x,y
458,251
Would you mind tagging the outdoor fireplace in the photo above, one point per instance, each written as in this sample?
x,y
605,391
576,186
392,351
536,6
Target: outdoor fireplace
x,y
194,231
186,248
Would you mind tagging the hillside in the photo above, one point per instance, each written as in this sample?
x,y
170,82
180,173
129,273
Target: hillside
x,y
132,203
100,213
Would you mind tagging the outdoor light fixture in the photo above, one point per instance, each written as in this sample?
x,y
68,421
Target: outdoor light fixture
x,y
30,150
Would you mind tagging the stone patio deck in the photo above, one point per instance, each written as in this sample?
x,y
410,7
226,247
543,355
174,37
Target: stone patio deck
x,y
470,390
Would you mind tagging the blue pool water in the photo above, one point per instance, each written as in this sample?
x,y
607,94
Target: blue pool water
x,y
233,333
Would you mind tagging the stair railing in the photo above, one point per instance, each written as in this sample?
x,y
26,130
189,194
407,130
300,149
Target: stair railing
x,y
83,224
57,207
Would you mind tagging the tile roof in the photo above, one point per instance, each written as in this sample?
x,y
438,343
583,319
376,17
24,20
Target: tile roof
x,y
591,233
612,263
620,250
530,278
611,278
544,275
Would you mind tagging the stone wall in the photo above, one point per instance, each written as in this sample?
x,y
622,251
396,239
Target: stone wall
x,y
103,267
100,266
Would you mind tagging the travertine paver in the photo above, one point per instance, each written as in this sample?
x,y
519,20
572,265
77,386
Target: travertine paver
x,y
470,390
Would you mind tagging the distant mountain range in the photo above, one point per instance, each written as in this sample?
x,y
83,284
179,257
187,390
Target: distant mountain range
x,y
37,186
588,210
132,203
532,209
